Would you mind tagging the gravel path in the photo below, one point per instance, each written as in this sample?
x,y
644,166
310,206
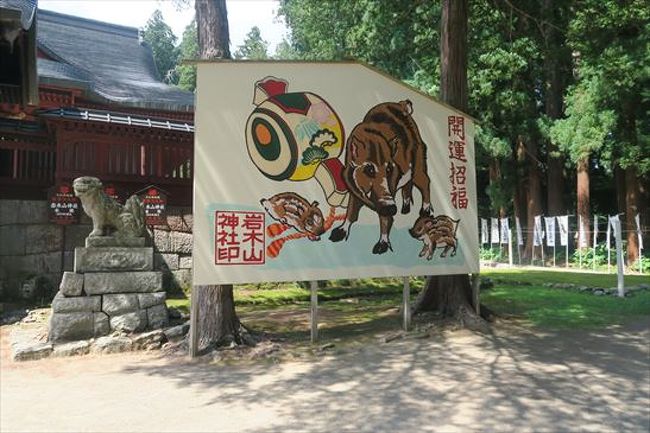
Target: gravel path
x,y
511,381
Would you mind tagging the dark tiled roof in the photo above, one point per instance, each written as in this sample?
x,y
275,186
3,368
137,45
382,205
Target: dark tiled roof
x,y
106,60
26,9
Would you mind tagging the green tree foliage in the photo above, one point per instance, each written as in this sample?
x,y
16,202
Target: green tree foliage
x,y
610,103
159,36
189,50
594,53
254,47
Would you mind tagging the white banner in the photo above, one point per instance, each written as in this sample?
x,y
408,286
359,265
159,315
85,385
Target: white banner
x,y
505,230
609,232
520,238
639,232
612,221
595,231
549,222
494,234
563,225
538,232
485,234
315,171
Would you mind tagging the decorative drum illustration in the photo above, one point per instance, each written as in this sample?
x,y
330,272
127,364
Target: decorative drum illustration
x,y
296,136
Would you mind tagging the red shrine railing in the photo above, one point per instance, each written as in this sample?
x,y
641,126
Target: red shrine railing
x,y
162,163
26,162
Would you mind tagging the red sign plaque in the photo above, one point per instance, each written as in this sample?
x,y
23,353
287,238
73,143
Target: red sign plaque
x,y
154,201
64,206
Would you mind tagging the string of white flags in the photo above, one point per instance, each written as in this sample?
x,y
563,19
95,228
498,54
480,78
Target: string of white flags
x,y
549,229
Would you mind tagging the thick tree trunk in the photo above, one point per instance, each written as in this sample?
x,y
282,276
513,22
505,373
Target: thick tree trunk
x,y
631,209
453,58
212,29
555,84
451,294
494,172
583,201
534,196
217,320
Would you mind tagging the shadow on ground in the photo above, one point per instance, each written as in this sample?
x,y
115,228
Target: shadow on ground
x,y
508,381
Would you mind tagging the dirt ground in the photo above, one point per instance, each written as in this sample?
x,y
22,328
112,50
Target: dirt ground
x,y
512,380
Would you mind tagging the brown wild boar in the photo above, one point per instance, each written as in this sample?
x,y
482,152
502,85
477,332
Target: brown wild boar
x,y
293,210
383,155
436,232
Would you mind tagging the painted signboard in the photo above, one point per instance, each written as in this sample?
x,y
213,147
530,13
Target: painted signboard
x,y
64,206
154,202
310,171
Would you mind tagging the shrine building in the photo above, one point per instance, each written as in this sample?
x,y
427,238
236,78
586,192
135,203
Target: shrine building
x,y
80,97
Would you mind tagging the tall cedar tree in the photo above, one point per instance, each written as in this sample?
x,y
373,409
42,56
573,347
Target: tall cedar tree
x,y
214,305
451,295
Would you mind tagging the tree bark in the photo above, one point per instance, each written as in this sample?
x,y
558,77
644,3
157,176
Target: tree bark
x,y
534,196
451,295
217,322
212,29
453,47
583,201
554,90
631,209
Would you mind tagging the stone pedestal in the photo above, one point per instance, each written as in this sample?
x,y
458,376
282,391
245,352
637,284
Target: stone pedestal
x,y
113,288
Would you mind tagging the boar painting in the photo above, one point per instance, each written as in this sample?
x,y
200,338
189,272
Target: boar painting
x,y
282,194
384,155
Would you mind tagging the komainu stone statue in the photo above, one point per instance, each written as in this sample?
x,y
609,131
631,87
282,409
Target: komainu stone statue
x,y
109,217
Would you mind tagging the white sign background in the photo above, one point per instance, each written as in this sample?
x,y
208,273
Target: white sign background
x,y
225,179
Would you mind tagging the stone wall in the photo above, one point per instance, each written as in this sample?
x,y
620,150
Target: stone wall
x,y
173,246
32,247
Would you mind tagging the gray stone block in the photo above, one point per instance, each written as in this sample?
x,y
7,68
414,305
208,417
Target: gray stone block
x,y
188,218
71,326
72,349
162,241
71,284
122,282
183,278
43,238
166,261
30,352
102,324
12,239
185,262
112,345
121,303
177,331
113,259
181,242
68,261
33,212
75,235
149,340
9,212
146,300
61,304
110,241
130,322
157,316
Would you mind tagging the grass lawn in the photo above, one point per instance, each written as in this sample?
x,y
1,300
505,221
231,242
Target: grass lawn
x,y
365,306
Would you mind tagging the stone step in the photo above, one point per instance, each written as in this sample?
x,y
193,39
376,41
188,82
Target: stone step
x,y
99,283
113,259
111,241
